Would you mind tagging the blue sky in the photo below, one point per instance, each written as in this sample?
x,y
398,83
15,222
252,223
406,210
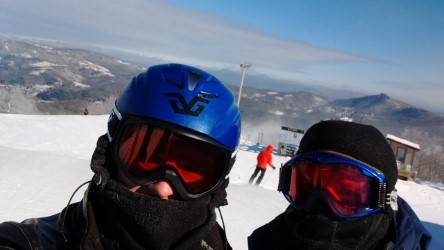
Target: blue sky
x,y
395,47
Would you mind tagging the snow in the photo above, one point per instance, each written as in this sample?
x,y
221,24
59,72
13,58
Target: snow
x,y
97,68
122,62
277,112
81,85
403,141
41,87
43,159
42,67
45,64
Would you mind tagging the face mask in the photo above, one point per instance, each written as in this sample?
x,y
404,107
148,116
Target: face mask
x,y
151,222
321,230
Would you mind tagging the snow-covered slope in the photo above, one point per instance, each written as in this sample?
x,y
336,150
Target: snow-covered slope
x,y
43,159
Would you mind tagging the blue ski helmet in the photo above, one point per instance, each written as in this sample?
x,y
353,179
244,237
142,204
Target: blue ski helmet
x,y
184,96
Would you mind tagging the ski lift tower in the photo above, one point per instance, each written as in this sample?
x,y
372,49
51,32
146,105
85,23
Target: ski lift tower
x,y
244,66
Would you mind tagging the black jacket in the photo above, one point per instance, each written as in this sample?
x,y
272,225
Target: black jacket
x,y
406,232
75,230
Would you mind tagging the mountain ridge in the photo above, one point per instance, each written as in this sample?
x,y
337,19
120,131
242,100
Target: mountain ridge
x,y
40,79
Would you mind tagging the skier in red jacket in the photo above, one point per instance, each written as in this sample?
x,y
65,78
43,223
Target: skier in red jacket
x,y
263,158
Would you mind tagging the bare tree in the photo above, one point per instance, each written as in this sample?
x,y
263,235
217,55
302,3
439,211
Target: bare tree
x,y
17,100
102,107
429,161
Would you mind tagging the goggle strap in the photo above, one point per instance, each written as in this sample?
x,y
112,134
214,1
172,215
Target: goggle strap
x,y
116,112
382,194
113,122
284,179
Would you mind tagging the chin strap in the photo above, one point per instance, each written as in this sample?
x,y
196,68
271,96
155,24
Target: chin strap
x,y
223,227
63,214
219,199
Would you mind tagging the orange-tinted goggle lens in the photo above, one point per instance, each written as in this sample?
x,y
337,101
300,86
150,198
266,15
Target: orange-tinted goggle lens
x,y
143,149
349,187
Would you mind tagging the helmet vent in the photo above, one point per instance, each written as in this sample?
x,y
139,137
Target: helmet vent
x,y
193,79
173,83
206,95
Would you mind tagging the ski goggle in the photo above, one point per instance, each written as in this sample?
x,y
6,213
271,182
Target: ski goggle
x,y
150,151
350,188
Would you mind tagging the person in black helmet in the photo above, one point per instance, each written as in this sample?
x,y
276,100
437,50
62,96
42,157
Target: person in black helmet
x,y
341,190
159,172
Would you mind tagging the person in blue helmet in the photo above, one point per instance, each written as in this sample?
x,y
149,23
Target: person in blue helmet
x,y
342,195
160,171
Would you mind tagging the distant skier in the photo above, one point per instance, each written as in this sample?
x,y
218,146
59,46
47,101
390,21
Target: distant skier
x,y
86,112
264,158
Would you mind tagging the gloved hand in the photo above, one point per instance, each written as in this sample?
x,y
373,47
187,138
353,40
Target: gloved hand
x,y
273,167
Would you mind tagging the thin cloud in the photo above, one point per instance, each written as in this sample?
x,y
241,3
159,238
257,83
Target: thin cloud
x,y
158,28
412,85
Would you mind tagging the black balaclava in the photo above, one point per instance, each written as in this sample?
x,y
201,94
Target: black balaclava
x,y
142,221
317,227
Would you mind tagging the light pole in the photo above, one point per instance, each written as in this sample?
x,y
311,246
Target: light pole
x,y
244,66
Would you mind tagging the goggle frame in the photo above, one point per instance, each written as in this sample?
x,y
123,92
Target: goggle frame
x,y
379,195
116,124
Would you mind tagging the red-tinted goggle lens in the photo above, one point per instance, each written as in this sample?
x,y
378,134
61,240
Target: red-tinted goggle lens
x,y
349,187
143,149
